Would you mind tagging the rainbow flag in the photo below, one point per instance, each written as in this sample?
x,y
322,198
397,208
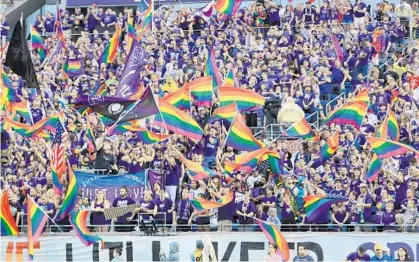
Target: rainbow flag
x,y
395,95
386,148
149,138
4,79
7,221
200,204
8,94
111,50
316,205
224,114
130,33
23,109
74,67
240,137
91,146
196,170
230,79
177,121
59,29
180,99
389,127
301,129
20,128
70,199
275,163
373,168
350,114
50,123
275,237
244,98
56,181
211,69
247,161
38,44
362,96
201,91
146,23
228,7
78,221
329,148
36,222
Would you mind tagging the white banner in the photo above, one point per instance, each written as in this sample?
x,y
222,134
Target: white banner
x,y
228,246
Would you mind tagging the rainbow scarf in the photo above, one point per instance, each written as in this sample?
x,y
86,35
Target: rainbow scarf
x,y
386,148
211,69
224,114
230,79
7,221
180,99
389,127
240,137
329,148
228,7
70,199
316,205
200,204
36,222
351,114
111,50
201,91
78,221
301,129
275,237
374,168
244,98
177,121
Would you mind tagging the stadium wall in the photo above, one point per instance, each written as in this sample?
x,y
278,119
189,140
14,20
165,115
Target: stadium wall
x,y
228,246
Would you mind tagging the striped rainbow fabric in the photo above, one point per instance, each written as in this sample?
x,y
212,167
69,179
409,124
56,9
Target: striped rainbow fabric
x,y
247,161
7,221
146,23
70,199
230,79
275,237
23,109
196,170
180,99
301,129
316,205
373,168
389,128
200,204
244,98
56,180
130,33
111,50
228,7
362,96
329,149
177,121
386,148
201,91
211,69
36,222
38,44
78,221
224,114
240,136
350,114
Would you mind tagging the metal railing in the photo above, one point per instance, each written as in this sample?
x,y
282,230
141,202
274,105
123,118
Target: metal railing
x,y
328,106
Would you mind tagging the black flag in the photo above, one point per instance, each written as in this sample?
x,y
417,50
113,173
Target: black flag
x,y
18,57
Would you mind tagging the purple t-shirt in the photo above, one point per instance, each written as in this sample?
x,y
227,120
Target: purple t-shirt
x,y
120,202
355,256
49,25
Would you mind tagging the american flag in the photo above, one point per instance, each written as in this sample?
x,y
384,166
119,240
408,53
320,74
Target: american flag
x,y
59,150
142,6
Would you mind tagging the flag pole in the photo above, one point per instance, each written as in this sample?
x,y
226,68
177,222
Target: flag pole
x,y
45,214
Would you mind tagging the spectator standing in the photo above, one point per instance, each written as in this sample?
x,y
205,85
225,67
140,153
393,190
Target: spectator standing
x,y
4,30
121,223
379,254
303,254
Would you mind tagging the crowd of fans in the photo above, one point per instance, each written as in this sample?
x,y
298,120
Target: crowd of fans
x,y
283,53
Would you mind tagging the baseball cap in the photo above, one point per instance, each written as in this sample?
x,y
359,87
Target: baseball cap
x,y
363,185
378,246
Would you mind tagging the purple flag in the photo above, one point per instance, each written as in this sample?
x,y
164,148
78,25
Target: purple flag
x,y
145,107
337,47
129,84
111,107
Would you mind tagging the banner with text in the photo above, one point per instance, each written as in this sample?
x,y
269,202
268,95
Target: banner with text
x,y
228,246
90,183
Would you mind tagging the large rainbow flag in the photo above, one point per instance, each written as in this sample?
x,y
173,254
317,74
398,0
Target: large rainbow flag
x,y
200,204
244,98
240,136
111,50
36,222
275,237
386,148
301,129
70,199
180,99
177,121
23,109
247,161
389,128
228,7
78,221
316,205
224,114
350,114
38,44
7,221
211,69
362,96
373,168
201,91
195,170
329,148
